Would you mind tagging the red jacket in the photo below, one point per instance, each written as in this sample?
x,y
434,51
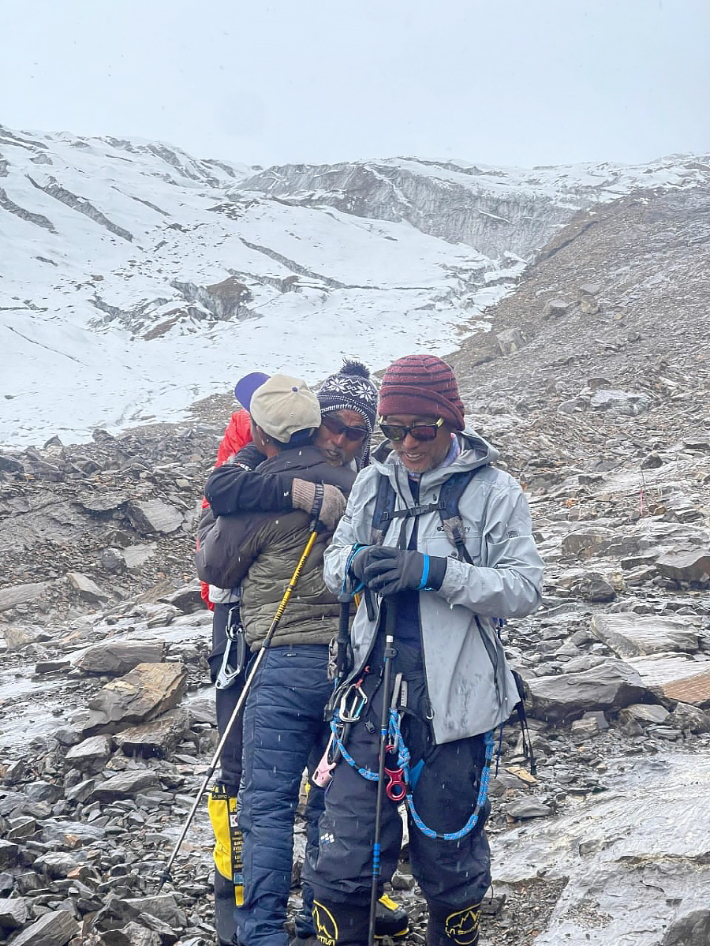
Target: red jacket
x,y
236,436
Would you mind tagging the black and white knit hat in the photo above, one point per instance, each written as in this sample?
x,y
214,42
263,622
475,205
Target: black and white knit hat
x,y
351,389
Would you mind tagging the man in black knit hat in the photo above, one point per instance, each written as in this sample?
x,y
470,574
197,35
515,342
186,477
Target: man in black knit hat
x,y
347,401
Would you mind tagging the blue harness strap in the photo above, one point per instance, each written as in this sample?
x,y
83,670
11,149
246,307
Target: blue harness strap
x,y
411,776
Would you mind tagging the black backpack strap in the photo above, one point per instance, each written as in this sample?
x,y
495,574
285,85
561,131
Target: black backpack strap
x,y
451,492
384,507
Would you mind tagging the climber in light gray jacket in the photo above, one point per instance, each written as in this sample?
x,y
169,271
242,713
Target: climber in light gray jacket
x,y
450,580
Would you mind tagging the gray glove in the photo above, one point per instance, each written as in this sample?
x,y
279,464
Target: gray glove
x,y
303,496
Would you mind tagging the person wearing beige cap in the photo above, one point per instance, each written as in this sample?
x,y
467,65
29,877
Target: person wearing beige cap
x,y
283,715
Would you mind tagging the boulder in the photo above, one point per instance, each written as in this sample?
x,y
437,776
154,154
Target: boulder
x,y
18,636
55,864
620,402
88,589
158,738
13,913
690,929
126,785
594,587
635,635
186,599
610,685
90,755
144,693
52,929
114,656
676,677
21,594
693,565
510,341
163,906
154,516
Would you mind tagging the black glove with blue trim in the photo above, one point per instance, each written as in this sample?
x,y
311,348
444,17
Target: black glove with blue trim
x,y
389,571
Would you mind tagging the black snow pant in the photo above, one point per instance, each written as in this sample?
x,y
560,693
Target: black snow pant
x,y
453,874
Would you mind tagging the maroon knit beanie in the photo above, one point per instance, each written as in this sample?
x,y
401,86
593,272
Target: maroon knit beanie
x,y
423,385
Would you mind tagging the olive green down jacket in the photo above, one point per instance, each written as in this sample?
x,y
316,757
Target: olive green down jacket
x,y
260,551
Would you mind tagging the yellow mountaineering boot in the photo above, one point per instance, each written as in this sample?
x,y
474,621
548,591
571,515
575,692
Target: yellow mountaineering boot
x,y
228,879
390,919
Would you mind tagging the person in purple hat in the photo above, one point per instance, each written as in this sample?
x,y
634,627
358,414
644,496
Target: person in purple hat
x,y
438,544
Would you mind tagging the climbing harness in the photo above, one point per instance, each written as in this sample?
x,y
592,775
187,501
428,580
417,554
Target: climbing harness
x,y
401,781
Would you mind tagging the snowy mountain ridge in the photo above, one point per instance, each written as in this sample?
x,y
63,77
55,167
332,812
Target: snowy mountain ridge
x,y
135,278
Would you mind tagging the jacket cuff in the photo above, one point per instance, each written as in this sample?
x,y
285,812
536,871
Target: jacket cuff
x,y
437,572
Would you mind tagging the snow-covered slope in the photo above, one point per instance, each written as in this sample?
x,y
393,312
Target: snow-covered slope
x,y
135,278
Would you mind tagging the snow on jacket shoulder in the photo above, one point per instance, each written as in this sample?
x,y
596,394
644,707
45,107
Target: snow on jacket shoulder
x,y
471,688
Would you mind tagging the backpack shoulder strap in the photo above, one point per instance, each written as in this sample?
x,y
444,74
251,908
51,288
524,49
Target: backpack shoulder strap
x,y
447,507
384,507
451,492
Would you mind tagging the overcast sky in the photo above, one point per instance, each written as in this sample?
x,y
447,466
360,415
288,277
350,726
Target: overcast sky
x,y
516,82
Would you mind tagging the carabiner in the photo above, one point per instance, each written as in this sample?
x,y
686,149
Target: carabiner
x,y
358,702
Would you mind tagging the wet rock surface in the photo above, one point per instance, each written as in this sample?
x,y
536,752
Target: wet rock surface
x,y
595,389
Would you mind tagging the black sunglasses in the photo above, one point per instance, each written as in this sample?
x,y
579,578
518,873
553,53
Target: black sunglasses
x,y
337,427
422,432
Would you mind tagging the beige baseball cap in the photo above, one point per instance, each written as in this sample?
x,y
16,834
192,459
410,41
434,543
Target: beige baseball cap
x,y
284,406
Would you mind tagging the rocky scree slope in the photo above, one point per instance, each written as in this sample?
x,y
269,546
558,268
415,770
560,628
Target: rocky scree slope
x,y
593,384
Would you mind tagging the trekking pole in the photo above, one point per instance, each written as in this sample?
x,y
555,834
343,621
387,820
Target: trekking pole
x,y
241,701
389,654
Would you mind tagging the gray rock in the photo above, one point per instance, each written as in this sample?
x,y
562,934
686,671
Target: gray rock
x,y
41,790
55,864
21,594
87,588
693,929
594,587
107,501
555,308
163,906
689,718
52,929
587,542
90,755
114,656
154,516
523,808
685,566
620,402
510,341
13,913
610,685
125,785
144,693
644,713
135,556
159,738
633,635
18,636
187,599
